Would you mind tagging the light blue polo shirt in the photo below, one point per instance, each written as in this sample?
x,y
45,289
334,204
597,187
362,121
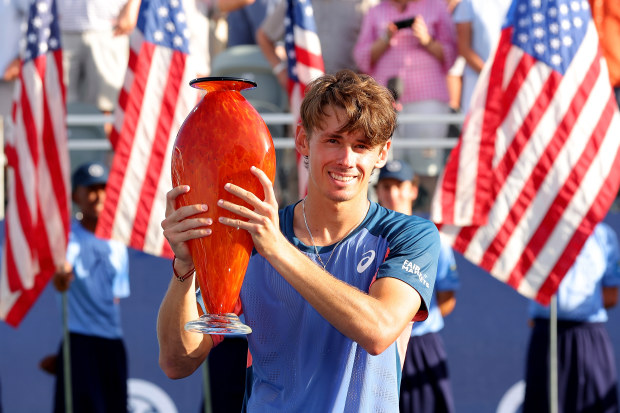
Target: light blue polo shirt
x,y
579,296
447,280
101,277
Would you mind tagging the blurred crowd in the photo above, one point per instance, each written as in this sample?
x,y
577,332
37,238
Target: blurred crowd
x,y
427,52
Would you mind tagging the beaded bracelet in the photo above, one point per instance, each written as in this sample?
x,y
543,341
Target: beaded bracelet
x,y
183,277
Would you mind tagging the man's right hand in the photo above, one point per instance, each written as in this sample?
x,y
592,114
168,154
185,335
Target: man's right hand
x,y
181,225
63,277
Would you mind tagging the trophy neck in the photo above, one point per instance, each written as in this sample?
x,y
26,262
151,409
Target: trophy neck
x,y
215,84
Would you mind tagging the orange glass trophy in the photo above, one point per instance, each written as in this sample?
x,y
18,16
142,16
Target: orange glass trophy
x,y
219,141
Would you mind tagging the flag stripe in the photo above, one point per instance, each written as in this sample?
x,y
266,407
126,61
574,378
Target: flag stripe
x,y
527,163
142,144
535,168
157,155
56,198
155,240
535,180
108,221
602,202
155,100
576,182
495,114
547,200
305,63
37,216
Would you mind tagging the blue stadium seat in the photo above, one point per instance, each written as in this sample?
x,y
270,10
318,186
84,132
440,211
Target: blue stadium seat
x,y
248,62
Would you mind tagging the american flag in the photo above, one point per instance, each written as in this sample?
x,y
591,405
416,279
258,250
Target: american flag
x,y
155,99
37,217
537,165
305,63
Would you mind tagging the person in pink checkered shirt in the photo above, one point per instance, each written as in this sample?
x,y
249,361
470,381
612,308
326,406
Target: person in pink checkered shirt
x,y
413,61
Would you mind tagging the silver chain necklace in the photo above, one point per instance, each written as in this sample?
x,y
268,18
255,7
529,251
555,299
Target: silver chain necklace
x,y
316,250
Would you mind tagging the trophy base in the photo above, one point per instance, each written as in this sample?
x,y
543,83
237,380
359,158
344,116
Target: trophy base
x,y
220,324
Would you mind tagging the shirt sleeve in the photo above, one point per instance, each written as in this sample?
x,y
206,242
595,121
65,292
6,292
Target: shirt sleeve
x,y
463,12
611,278
447,274
273,24
120,261
412,258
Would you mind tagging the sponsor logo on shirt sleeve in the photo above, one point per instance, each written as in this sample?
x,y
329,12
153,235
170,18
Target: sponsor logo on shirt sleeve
x,y
416,270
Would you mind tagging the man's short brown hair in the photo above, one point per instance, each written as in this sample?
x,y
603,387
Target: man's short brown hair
x,y
368,105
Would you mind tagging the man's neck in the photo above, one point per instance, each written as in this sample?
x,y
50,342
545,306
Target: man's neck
x,y
328,222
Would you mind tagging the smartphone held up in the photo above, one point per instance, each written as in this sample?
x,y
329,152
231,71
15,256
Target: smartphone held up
x,y
405,23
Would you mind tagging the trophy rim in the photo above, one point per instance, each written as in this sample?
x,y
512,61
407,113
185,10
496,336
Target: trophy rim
x,y
194,82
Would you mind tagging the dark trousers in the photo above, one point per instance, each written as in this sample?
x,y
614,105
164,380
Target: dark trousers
x,y
98,375
587,380
425,385
227,369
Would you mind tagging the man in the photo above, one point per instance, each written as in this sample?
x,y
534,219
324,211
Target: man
x,y
335,279
244,17
425,385
94,36
95,277
587,377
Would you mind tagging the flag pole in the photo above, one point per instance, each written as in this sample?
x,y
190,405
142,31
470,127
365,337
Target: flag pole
x,y
206,386
66,354
553,355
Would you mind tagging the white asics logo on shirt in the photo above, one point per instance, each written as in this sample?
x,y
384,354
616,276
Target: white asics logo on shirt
x,y
368,258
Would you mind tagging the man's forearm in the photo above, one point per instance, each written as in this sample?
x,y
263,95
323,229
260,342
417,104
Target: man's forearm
x,y
373,320
180,352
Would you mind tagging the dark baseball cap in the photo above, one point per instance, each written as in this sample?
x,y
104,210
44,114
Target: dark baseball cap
x,y
88,174
399,170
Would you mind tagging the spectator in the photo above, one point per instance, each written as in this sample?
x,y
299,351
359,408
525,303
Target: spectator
x,y
418,57
335,279
94,36
478,25
94,277
218,28
606,16
455,82
338,24
199,40
587,377
244,18
425,384
13,14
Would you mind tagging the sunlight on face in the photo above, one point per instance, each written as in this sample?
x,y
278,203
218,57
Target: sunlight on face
x,y
340,163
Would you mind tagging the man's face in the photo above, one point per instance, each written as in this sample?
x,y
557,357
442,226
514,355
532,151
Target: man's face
x,y
90,200
396,195
340,164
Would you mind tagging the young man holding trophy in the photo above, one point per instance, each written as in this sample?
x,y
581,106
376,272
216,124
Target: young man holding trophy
x,y
334,281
